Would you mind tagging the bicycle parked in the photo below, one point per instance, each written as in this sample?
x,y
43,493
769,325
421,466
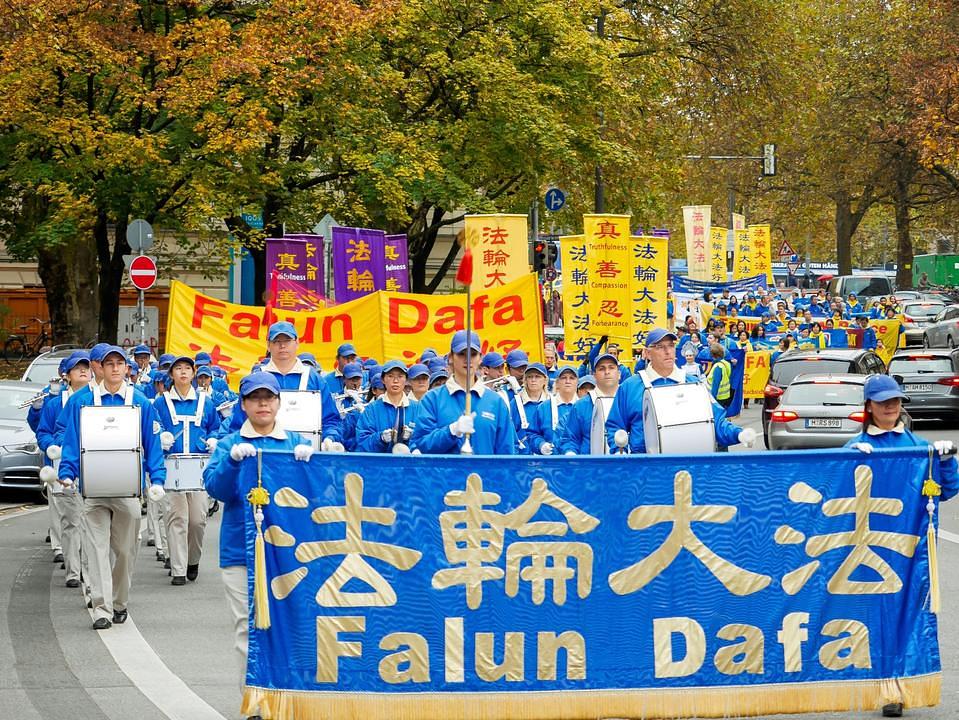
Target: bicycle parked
x,y
18,347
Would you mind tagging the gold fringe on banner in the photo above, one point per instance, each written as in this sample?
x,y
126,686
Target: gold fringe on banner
x,y
258,497
931,489
705,702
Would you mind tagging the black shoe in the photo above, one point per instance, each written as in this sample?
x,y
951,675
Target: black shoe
x,y
47,538
892,710
63,566
119,617
73,583
159,556
192,571
213,508
254,717
178,580
151,543
102,624
166,564
89,604
58,558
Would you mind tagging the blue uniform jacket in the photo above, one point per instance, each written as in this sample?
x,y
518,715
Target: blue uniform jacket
x,y
209,422
381,415
494,433
869,340
68,427
524,444
627,413
574,435
541,424
948,468
46,431
220,479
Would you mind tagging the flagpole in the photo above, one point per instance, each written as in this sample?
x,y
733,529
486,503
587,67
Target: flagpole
x,y
465,276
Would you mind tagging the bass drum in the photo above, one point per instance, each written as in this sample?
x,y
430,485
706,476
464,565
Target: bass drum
x,y
110,451
678,420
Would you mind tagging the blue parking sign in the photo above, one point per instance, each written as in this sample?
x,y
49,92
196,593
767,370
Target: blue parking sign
x,y
555,199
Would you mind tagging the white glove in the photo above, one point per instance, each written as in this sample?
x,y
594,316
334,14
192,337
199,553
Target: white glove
x,y
331,445
211,444
944,447
747,436
862,447
55,389
48,475
242,450
388,435
415,451
570,452
54,452
621,438
156,492
303,453
513,383
166,440
401,449
406,433
463,425
546,448
37,404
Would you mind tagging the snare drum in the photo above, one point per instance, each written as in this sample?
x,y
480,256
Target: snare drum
x,y
110,451
184,471
678,419
301,411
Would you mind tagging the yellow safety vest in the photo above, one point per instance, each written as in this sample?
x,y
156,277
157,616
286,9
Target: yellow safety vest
x,y
726,371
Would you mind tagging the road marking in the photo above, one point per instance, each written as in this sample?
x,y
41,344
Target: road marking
x,y
951,537
138,661
9,513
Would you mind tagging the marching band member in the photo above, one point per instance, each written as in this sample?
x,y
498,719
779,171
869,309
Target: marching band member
x,y
419,381
389,420
548,418
627,410
292,374
525,402
111,525
584,432
438,378
350,403
189,423
584,385
516,363
442,423
550,362
67,507
345,354
260,398
492,365
141,356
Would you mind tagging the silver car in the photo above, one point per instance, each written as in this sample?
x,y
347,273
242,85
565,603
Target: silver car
x,y
44,366
917,315
930,378
20,459
818,411
944,329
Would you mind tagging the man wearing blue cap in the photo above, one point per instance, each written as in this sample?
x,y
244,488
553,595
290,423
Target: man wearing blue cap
x,y
260,398
345,354
584,432
96,355
548,418
492,366
141,356
66,508
291,374
111,524
626,415
386,424
189,423
869,340
443,424
419,381
350,403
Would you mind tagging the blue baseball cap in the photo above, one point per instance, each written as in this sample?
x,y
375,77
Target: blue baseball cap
x,y
605,356
427,354
75,358
345,350
142,350
567,369
517,358
370,362
439,375
259,381
158,376
165,359
204,370
308,359
436,363
537,367
203,358
353,370
658,334
183,358
459,342
113,350
492,359
281,328
132,364
586,380
62,364
418,370
98,350
376,382
880,388
395,365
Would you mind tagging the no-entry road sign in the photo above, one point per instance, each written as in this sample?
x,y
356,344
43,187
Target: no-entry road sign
x,y
143,272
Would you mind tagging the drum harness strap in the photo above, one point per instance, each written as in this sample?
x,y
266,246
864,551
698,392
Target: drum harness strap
x,y
187,420
127,396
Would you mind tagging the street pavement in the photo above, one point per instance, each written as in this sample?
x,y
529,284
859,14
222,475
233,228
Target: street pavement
x,y
172,659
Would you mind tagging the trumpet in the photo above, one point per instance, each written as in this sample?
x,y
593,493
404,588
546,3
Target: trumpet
x,y
502,382
223,407
355,395
42,395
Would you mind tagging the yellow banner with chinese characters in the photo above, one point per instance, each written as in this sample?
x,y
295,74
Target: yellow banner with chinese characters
x,y
760,239
577,336
717,254
500,245
756,373
742,256
648,285
381,325
697,220
609,261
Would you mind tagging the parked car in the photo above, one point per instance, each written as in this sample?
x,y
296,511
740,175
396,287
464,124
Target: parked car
x,y
829,361
818,411
865,286
20,459
907,295
916,317
931,380
943,331
44,366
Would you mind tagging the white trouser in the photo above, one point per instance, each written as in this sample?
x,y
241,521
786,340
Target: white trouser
x,y
156,527
56,542
110,525
237,597
185,516
69,507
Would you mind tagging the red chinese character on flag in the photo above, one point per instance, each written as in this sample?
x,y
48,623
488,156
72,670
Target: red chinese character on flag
x,y
610,307
608,269
495,236
606,229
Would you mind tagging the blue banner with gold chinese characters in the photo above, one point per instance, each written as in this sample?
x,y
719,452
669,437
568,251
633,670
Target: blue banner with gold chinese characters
x,y
640,586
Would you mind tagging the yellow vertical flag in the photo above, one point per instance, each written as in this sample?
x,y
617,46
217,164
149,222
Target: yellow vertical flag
x,y
576,296
697,220
742,256
739,221
608,251
648,283
500,245
760,239
717,254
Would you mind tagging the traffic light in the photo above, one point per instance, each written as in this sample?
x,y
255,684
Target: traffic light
x,y
551,253
539,256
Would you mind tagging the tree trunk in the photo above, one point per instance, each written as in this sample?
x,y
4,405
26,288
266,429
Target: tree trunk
x,y
110,258
904,239
69,272
845,228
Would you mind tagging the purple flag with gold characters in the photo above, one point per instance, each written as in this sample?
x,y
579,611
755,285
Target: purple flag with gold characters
x,y
297,263
396,264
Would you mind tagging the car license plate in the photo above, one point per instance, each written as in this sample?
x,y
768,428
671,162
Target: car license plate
x,y
921,387
823,423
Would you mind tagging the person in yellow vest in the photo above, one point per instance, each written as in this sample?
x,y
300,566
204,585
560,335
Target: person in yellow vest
x,y
720,376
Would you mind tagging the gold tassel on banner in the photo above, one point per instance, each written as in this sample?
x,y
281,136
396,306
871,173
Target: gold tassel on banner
x,y
931,489
258,497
